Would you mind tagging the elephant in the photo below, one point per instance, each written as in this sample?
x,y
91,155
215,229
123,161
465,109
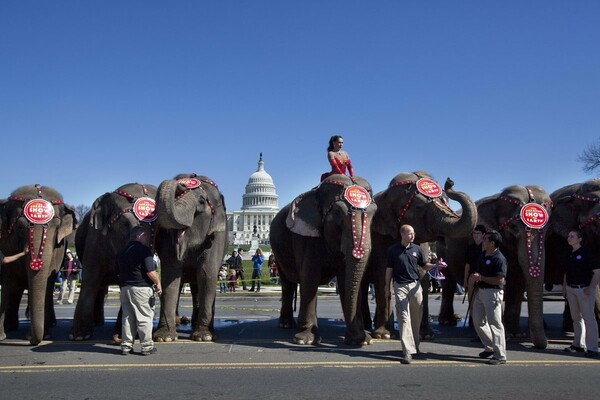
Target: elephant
x,y
191,245
323,233
103,232
574,206
417,200
34,216
511,213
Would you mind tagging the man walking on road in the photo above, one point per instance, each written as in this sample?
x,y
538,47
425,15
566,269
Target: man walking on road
x,y
138,280
487,302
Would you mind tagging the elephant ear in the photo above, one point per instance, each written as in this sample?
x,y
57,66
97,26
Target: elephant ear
x,y
96,214
2,213
486,211
218,222
385,222
304,217
68,223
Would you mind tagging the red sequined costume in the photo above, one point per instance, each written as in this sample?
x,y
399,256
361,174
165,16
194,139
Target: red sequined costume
x,y
339,167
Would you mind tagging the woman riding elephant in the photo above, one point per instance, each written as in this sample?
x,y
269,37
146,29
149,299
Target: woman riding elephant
x,y
324,233
37,217
414,199
520,214
102,233
191,246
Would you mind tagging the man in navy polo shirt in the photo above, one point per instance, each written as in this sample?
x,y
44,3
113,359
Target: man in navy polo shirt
x,y
404,260
487,301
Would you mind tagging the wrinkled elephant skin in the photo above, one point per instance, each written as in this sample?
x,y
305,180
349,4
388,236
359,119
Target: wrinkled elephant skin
x,y
191,245
312,239
431,217
103,232
18,233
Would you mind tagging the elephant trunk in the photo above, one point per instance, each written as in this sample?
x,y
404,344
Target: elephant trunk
x,y
175,212
535,290
454,226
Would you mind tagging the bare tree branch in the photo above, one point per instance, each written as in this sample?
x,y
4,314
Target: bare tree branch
x,y
81,210
590,157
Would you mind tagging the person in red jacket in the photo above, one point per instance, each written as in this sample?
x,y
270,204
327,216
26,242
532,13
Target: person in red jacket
x,y
339,159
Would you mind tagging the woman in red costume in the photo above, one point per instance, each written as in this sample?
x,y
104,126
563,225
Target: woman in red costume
x,y
338,158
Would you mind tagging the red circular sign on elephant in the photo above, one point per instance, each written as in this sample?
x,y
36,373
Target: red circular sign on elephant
x,y
190,183
39,211
429,187
144,209
357,196
534,216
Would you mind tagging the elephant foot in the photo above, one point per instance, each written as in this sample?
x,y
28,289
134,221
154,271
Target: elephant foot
x,y
80,337
307,337
2,336
287,323
517,335
382,333
449,321
164,335
117,339
358,340
203,335
426,334
185,320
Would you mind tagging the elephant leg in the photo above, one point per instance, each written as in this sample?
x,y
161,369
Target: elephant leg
x,y
84,318
167,328
286,314
206,279
13,301
425,331
307,318
117,330
447,316
515,290
365,312
384,320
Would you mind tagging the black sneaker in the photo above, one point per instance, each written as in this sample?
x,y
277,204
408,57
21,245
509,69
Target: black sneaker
x,y
407,359
486,354
149,352
495,361
591,354
574,349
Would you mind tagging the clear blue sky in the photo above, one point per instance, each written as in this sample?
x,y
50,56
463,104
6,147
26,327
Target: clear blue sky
x,y
95,94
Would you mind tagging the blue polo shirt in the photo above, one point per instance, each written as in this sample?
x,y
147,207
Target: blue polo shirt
x,y
405,262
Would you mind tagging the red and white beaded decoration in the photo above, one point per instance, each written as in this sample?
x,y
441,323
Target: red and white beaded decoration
x,y
358,251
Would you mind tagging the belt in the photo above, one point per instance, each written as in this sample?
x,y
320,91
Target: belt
x,y
407,282
494,287
577,286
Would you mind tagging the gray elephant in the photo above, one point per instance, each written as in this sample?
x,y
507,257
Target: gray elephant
x,y
191,246
574,206
103,232
35,216
520,214
323,233
417,200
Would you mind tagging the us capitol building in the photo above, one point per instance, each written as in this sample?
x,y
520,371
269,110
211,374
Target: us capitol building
x,y
260,204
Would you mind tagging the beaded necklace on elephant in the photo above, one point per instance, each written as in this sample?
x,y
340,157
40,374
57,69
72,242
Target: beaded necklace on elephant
x,y
147,215
593,217
359,198
37,211
535,267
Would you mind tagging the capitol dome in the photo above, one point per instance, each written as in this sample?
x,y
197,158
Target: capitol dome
x,y
260,190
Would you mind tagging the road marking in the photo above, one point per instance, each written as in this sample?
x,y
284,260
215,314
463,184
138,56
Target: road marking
x,y
303,364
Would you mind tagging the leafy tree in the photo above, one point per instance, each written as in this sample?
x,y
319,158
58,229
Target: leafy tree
x,y
81,210
590,157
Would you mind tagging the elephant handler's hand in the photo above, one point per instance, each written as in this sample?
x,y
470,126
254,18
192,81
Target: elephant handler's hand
x,y
157,288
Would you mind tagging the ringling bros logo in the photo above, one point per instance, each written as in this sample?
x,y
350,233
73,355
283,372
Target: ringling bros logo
x,y
39,211
357,196
190,183
534,216
429,187
144,209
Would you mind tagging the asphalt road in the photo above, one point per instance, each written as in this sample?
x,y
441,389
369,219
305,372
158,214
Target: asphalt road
x,y
253,359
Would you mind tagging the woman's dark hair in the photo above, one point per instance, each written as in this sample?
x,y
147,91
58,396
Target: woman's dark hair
x,y
480,228
333,139
578,232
